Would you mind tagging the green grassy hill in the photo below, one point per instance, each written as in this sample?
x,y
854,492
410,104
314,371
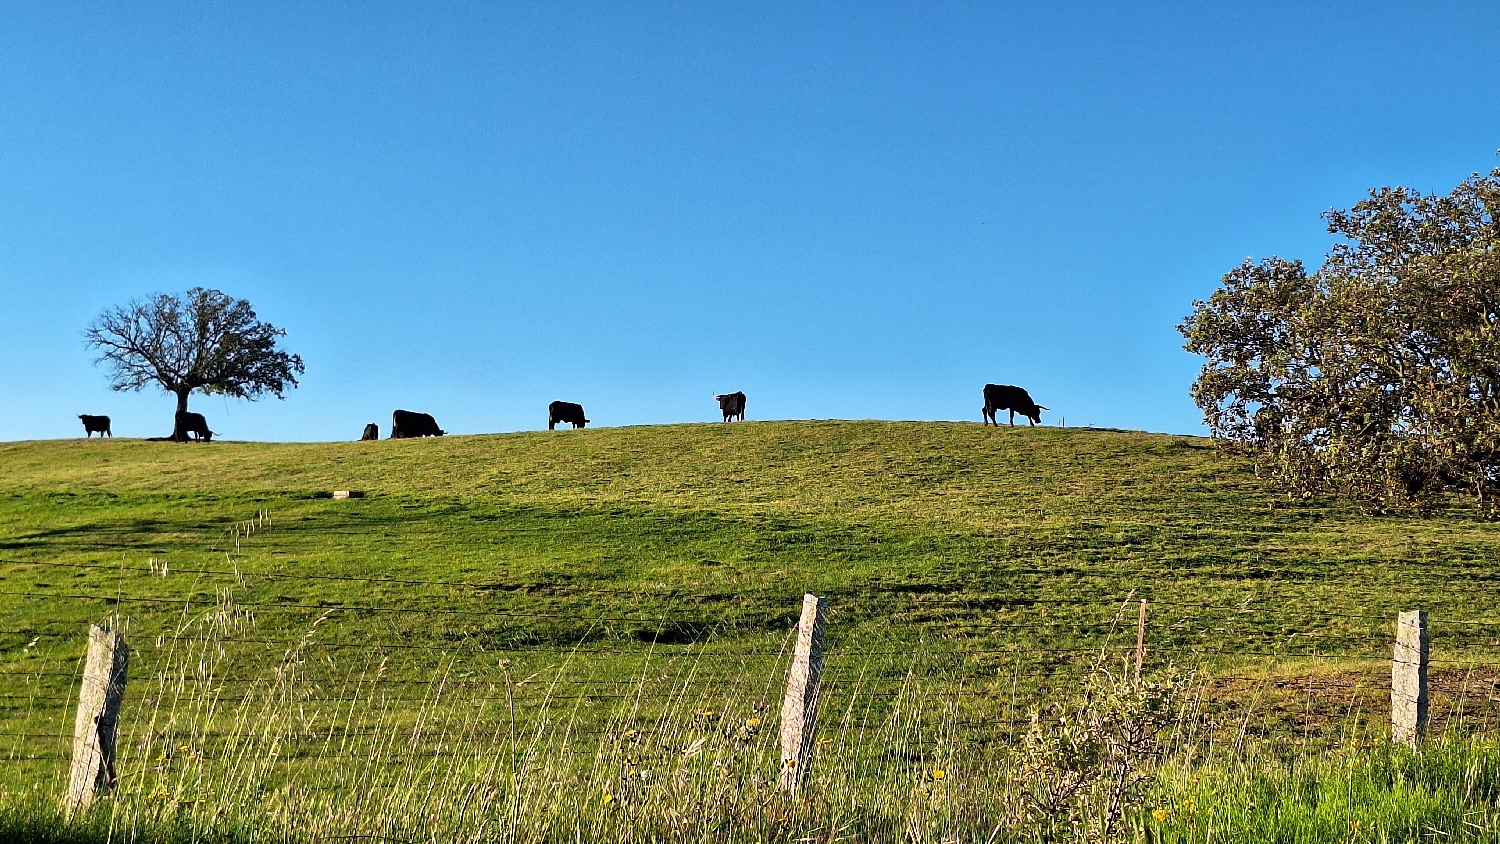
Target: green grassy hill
x,y
579,568
867,512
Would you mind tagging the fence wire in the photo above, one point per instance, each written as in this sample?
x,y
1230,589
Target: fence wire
x,y
213,678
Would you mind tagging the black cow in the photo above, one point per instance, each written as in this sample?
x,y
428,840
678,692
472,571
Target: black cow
x,y
565,411
1005,397
92,424
732,405
372,432
408,423
192,423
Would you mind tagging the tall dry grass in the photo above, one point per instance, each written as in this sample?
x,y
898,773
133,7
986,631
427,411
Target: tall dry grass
x,y
292,755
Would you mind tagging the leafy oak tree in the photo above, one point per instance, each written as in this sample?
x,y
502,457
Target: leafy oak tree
x,y
199,341
1377,377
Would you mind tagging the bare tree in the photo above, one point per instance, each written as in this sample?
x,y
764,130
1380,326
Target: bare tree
x,y
199,341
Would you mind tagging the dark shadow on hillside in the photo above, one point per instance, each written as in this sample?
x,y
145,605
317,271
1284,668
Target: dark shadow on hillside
x,y
133,534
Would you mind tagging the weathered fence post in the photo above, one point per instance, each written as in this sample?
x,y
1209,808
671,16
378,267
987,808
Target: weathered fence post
x,y
799,710
1409,679
98,717
1140,641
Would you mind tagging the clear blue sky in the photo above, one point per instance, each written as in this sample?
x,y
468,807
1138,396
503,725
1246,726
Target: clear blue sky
x,y
857,210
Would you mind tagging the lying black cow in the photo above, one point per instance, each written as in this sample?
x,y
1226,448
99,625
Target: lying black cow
x,y
565,411
372,432
92,424
406,424
192,423
732,405
1005,397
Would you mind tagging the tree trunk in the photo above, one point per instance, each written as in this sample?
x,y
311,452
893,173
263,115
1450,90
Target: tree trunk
x,y
179,435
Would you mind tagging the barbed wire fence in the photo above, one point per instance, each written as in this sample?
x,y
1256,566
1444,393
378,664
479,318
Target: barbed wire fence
x,y
343,683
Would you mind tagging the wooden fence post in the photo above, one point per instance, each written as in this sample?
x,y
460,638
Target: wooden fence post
x,y
98,717
1140,641
1409,679
799,710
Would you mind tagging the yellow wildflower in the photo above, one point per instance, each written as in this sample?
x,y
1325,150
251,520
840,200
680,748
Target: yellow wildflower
x,y
608,799
939,773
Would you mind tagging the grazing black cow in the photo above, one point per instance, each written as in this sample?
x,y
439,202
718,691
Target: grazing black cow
x,y
732,405
192,423
92,424
565,411
406,424
372,432
1005,397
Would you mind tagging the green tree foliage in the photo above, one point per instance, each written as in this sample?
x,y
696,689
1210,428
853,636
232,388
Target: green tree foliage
x,y
1378,376
199,341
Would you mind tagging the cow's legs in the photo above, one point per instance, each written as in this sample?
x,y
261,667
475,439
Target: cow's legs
x,y
1012,418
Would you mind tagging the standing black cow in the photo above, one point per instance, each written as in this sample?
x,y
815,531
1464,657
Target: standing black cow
x,y
406,424
565,411
192,423
92,424
732,405
372,432
1005,397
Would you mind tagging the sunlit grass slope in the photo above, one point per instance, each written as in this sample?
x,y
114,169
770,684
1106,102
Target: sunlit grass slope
x,y
1009,549
859,510
597,606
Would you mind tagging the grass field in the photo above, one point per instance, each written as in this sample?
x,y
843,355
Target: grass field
x,y
567,594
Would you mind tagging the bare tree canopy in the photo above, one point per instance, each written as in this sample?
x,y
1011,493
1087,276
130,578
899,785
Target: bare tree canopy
x,y
1377,376
199,341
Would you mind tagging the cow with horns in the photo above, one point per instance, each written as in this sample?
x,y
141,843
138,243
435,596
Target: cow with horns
x,y
732,405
